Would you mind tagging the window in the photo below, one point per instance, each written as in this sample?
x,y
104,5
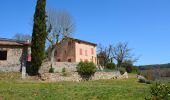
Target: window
x,y
85,52
3,55
58,60
69,60
81,52
92,51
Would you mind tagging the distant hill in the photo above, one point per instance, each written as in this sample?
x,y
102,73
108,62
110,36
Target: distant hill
x,y
156,66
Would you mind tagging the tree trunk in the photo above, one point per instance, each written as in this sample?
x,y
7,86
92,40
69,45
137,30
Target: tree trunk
x,y
119,65
52,55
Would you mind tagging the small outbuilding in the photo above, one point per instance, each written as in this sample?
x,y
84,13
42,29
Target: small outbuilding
x,y
14,54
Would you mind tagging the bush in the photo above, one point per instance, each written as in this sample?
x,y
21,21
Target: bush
x,y
159,91
51,70
128,65
64,73
129,69
86,69
110,66
135,69
122,71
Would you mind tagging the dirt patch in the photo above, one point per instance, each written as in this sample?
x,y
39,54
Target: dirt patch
x,y
1,98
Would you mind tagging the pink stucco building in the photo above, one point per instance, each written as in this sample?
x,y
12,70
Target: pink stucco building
x,y
75,50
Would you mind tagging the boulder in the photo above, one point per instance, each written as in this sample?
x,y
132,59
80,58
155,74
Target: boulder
x,y
141,79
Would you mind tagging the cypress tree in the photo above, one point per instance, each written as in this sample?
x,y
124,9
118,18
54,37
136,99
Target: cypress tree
x,y
38,36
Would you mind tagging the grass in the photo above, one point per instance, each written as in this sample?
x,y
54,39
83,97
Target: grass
x,y
13,88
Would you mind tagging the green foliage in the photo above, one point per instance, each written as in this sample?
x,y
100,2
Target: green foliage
x,y
38,36
51,70
135,70
122,70
128,65
110,66
86,69
64,72
159,91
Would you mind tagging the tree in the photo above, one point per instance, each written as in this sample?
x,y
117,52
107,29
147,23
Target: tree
x,y
104,55
38,36
121,52
60,26
22,37
128,65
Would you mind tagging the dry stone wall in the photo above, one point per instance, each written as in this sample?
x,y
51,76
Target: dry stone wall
x,y
72,75
58,66
75,77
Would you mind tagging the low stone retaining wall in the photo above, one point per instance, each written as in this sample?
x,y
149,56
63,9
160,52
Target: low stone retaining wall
x,y
75,77
105,75
58,66
11,68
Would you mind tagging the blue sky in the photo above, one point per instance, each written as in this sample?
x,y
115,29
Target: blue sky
x,y
144,24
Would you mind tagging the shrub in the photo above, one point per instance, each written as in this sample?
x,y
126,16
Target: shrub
x,y
64,73
122,70
129,69
86,69
159,91
51,70
135,69
128,65
148,81
110,66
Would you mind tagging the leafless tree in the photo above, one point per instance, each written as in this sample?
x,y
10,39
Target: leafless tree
x,y
60,25
22,37
121,52
104,54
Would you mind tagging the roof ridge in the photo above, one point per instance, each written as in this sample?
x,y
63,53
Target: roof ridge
x,y
12,40
82,40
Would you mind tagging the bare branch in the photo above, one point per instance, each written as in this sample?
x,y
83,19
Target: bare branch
x,y
59,26
22,37
121,52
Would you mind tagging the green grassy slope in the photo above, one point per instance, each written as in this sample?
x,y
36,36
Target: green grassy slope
x,y
14,89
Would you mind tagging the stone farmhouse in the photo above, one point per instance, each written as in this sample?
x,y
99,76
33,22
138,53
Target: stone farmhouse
x,y
13,54
76,50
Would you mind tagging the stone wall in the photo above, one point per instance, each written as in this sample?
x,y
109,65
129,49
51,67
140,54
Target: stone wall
x,y
75,77
14,56
11,68
58,66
